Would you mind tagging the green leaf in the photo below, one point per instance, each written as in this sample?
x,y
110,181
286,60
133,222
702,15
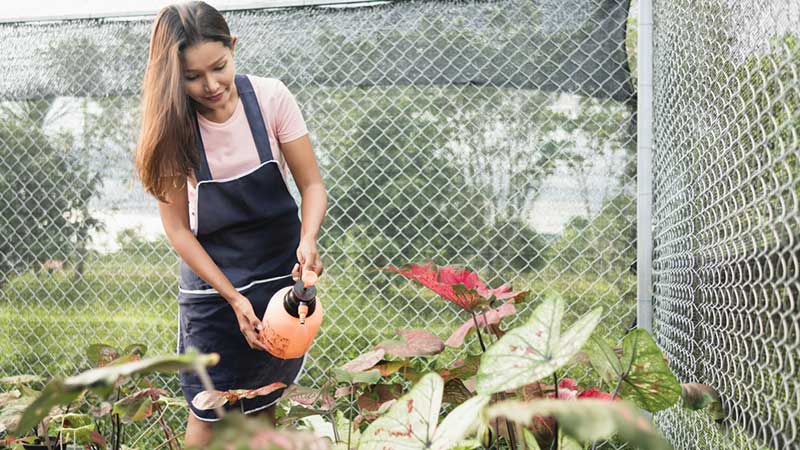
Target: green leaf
x,y
530,440
368,377
56,392
137,406
388,368
534,350
135,349
61,392
462,368
410,423
587,420
458,423
604,360
699,396
167,402
646,378
21,379
299,412
467,444
567,443
100,355
110,375
73,426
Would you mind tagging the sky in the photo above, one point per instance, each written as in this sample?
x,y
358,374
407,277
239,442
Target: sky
x,y
16,9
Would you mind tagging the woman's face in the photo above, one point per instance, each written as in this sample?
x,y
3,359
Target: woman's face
x,y
208,74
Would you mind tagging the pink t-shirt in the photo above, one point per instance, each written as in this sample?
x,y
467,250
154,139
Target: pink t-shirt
x,y
229,145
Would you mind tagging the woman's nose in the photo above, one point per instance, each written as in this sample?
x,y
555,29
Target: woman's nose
x,y
211,85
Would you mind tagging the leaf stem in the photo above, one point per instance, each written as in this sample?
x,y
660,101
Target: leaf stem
x,y
511,434
169,442
554,444
478,329
335,428
616,389
350,423
156,422
207,385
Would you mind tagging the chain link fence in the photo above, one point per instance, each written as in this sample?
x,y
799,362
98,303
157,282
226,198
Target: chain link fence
x,y
725,267
496,135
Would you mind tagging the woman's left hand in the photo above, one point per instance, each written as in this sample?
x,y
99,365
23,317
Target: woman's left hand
x,y
308,258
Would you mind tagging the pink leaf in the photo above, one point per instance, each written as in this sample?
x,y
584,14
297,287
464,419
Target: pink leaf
x,y
342,391
303,395
209,399
457,285
568,383
263,390
365,361
415,343
595,393
492,317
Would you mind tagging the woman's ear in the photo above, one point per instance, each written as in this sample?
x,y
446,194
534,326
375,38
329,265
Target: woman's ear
x,y
233,43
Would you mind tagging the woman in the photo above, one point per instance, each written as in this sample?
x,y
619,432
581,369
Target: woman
x,y
212,150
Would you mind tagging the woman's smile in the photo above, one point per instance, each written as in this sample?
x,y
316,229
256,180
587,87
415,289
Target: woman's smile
x,y
215,98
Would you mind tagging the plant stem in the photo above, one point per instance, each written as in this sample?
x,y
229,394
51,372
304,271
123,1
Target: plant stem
x,y
616,389
116,444
133,444
478,329
555,443
169,442
335,428
208,385
350,423
512,436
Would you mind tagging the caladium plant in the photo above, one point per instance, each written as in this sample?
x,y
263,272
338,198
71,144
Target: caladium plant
x,y
460,286
114,370
412,423
534,350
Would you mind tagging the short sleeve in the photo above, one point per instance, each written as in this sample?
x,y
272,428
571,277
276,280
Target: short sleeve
x,y
289,122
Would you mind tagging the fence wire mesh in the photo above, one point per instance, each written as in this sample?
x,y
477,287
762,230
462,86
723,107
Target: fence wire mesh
x,y
496,135
725,269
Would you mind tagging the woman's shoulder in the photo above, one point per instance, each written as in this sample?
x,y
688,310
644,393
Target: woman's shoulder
x,y
267,86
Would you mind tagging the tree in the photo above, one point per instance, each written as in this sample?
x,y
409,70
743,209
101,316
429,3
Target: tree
x,y
44,191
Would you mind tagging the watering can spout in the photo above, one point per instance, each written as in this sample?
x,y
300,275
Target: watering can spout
x,y
302,311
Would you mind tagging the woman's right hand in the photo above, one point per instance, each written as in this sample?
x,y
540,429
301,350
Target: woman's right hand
x,y
249,324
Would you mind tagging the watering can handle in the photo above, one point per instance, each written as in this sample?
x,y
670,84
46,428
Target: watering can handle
x,y
309,278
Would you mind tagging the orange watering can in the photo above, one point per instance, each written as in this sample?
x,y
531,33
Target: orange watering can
x,y
292,319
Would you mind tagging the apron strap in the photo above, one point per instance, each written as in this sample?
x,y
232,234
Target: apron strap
x,y
204,173
254,117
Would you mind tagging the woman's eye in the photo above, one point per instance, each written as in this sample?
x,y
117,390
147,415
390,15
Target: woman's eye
x,y
220,67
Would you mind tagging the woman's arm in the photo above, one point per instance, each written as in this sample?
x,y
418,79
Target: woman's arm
x,y
175,218
300,158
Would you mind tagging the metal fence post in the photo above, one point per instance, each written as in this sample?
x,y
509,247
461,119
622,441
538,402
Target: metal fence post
x,y
644,176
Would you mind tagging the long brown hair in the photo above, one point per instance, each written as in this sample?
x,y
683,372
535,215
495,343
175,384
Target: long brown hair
x,y
166,151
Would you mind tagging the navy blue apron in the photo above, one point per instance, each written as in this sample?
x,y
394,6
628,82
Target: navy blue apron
x,y
249,225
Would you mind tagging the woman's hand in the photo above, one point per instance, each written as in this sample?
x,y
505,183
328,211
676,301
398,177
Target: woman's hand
x,y
249,324
308,258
